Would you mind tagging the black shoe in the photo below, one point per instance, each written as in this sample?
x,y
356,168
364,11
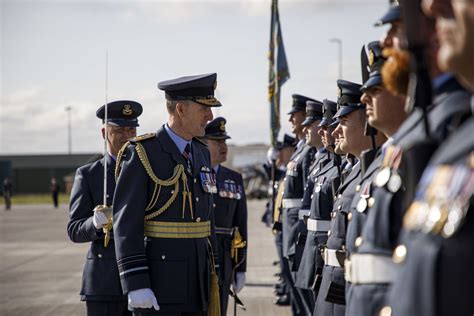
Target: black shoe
x,y
279,285
282,301
279,292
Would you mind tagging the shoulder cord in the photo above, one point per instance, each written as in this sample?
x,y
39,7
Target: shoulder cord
x,y
173,180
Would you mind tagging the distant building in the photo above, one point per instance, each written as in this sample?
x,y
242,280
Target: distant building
x,y
33,173
247,155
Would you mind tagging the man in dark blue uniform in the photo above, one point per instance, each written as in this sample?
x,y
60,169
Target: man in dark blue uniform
x,y
385,111
284,151
323,169
317,153
436,251
293,189
163,208
230,213
100,281
350,139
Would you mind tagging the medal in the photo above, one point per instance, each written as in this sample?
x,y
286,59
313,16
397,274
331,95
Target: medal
x,y
364,196
394,183
206,180
455,217
361,205
382,177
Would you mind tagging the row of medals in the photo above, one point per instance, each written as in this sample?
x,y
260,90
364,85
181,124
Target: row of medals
x,y
387,177
442,200
230,191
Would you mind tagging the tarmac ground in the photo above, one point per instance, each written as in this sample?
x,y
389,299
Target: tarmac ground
x,y
41,269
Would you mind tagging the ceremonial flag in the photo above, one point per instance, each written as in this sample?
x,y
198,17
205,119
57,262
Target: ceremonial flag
x,y
278,71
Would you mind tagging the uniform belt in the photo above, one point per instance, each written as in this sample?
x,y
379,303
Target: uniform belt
x,y
224,231
330,257
303,213
291,203
315,225
369,268
177,229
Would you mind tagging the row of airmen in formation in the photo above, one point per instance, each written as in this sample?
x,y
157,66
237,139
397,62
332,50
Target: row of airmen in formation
x,y
372,205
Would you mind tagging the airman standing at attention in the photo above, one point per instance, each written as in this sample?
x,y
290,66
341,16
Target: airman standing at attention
x,y
435,252
230,212
293,189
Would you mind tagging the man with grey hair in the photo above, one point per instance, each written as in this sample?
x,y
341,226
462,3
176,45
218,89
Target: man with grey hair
x,y
163,208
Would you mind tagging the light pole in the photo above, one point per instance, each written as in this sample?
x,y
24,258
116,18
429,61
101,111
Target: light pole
x,y
339,42
69,139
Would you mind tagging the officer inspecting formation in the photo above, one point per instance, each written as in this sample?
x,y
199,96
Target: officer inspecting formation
x,y
371,200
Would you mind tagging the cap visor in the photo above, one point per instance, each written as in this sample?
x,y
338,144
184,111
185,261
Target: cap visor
x,y
372,82
334,124
393,14
325,122
310,120
344,110
294,110
208,102
217,137
123,123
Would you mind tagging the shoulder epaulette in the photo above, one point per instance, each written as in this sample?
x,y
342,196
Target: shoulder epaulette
x,y
199,140
143,137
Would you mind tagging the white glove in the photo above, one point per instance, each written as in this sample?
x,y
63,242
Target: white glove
x,y
143,298
272,154
239,282
99,219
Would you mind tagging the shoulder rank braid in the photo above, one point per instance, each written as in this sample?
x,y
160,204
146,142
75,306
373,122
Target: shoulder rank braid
x,y
178,173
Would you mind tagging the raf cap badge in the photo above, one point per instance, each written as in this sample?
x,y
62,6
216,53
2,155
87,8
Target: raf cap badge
x,y
222,126
127,109
371,57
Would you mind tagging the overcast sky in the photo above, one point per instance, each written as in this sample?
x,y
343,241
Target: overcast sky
x,y
52,56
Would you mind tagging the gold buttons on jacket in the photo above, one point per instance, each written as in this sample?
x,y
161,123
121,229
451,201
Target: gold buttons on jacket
x,y
198,219
329,233
358,241
399,254
99,255
213,204
371,202
386,311
163,257
197,199
358,188
195,180
349,216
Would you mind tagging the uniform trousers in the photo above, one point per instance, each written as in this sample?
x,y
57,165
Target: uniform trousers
x,y
107,308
